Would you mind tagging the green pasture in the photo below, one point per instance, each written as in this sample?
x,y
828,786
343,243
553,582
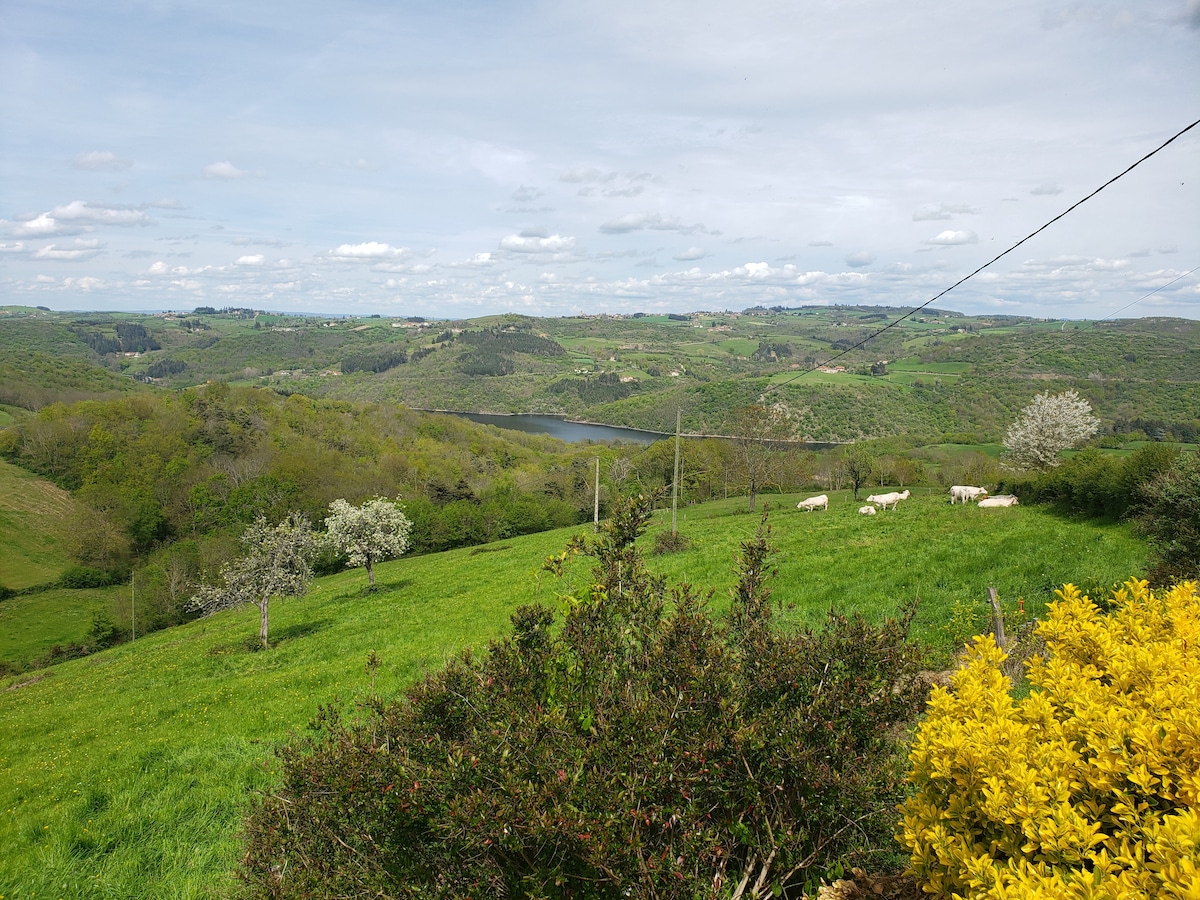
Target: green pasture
x,y
929,368
125,774
31,510
31,624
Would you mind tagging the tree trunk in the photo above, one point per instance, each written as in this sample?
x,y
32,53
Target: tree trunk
x,y
753,494
370,574
262,629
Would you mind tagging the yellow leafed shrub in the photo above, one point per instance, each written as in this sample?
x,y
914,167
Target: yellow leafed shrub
x,y
1087,788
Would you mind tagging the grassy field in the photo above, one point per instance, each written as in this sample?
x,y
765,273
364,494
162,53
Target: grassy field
x,y
125,774
31,509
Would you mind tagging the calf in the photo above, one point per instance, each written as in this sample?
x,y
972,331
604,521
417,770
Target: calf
x,y
821,500
866,510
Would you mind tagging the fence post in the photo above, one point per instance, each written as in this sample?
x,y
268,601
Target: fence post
x,y
997,619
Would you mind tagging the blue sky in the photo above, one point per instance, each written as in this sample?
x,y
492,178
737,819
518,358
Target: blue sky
x,y
458,158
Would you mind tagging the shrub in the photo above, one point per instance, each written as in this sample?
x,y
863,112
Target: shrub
x,y
86,577
639,748
670,542
1086,788
1171,520
6,592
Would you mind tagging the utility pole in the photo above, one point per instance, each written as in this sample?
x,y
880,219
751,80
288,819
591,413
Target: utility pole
x,y
596,510
675,481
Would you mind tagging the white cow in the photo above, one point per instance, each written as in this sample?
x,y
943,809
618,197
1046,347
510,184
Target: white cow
x,y
999,500
890,499
964,493
866,510
821,500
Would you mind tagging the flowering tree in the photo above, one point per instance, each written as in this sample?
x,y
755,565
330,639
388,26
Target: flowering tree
x,y
367,534
276,564
1046,427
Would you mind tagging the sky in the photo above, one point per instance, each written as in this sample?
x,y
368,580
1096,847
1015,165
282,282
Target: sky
x,y
457,158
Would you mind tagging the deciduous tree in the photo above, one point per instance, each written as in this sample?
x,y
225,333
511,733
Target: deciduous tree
x,y
758,430
858,465
1046,427
276,564
376,531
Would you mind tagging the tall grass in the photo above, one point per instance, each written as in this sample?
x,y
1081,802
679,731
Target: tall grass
x,y
125,774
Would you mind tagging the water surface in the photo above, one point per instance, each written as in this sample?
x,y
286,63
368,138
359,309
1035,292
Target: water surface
x,y
571,432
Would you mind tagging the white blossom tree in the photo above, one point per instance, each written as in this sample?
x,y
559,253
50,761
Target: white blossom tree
x,y
376,531
276,564
1046,427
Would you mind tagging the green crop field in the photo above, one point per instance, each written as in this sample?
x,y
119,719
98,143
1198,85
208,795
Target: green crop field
x,y
125,774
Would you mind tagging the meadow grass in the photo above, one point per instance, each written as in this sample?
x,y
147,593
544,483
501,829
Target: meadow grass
x,y
31,624
126,774
31,509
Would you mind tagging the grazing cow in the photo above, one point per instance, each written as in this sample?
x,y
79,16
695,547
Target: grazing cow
x,y
999,500
886,500
866,510
821,500
964,493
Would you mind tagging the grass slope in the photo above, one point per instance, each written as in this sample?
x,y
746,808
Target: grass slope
x,y
31,510
125,774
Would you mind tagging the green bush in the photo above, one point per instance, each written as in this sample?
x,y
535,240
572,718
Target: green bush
x,y
87,577
640,747
1170,518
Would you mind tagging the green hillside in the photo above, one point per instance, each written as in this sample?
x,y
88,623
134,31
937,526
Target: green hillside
x,y
933,374
126,773
32,513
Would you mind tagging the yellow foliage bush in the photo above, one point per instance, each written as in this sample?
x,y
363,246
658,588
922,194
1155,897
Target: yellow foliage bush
x,y
1086,788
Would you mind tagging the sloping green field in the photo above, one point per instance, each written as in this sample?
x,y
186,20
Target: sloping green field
x,y
31,509
125,774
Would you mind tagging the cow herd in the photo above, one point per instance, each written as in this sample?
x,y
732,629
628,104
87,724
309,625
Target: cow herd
x,y
959,493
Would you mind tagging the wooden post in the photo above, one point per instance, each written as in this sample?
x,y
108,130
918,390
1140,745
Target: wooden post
x,y
997,619
675,480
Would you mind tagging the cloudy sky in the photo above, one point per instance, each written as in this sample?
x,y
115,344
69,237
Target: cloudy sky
x,y
457,157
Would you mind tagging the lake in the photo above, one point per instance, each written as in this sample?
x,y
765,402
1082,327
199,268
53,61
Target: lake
x,y
571,432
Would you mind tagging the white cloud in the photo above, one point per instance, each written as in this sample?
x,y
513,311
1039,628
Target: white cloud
x,y
820,243
647,221
45,279
860,259
1048,189
87,282
99,214
15,247
256,259
76,217
224,170
371,250
954,238
41,225
101,161
935,211
690,254
78,250
532,243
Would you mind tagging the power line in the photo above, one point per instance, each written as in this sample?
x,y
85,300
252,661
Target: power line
x,y
994,259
